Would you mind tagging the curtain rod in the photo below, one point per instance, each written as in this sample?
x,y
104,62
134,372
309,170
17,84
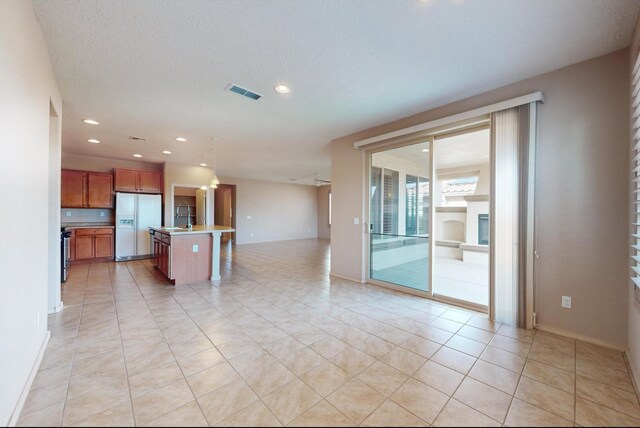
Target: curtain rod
x,y
502,105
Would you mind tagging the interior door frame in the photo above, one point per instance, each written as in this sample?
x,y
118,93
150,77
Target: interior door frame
x,y
170,202
233,189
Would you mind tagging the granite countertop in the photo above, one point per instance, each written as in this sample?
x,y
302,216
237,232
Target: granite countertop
x,y
193,231
85,225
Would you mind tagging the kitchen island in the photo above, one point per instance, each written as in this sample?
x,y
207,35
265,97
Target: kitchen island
x,y
186,255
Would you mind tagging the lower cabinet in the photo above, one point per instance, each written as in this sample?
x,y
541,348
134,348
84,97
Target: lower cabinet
x,y
93,243
162,253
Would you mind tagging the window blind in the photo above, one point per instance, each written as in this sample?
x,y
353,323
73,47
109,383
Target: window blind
x,y
635,180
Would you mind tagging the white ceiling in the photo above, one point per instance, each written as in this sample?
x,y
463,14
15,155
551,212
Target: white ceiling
x,y
158,70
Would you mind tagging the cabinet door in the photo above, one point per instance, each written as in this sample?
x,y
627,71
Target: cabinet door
x,y
156,252
72,246
73,187
100,190
104,246
150,182
84,247
126,180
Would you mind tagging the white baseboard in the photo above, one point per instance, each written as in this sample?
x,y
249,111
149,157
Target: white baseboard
x,y
580,337
57,308
13,420
632,371
359,281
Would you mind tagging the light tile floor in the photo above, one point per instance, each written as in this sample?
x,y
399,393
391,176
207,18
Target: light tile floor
x,y
278,342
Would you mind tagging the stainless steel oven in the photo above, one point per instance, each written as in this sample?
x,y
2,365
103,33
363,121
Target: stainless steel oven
x,y
65,255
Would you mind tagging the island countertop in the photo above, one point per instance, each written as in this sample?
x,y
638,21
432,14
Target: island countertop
x,y
193,231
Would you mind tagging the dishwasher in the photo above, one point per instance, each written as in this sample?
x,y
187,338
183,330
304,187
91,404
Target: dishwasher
x,y
65,255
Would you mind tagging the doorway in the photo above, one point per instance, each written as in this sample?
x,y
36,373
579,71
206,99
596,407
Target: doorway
x,y
189,206
224,209
462,183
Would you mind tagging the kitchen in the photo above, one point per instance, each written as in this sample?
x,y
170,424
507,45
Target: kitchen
x,y
108,206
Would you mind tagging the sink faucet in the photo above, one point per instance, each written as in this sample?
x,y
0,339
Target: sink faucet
x,y
188,213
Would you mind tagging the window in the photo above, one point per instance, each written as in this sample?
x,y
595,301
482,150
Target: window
x,y
390,201
417,205
483,229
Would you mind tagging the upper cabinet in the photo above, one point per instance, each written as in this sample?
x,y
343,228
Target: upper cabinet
x,y
129,180
83,189
73,194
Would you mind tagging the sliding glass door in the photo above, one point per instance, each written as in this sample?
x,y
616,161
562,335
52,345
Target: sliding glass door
x,y
429,216
399,216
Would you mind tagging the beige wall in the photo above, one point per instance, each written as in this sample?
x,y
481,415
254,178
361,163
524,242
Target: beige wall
x,y
581,206
324,229
633,336
278,211
98,164
347,195
27,88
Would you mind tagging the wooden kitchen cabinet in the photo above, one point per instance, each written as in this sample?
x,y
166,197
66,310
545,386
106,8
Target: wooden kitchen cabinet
x,y
73,185
103,246
129,180
84,247
99,190
93,243
84,189
161,253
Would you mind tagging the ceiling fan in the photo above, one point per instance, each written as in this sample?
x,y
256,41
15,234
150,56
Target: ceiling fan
x,y
316,180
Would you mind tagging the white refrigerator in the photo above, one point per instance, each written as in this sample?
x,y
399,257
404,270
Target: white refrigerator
x,y
135,213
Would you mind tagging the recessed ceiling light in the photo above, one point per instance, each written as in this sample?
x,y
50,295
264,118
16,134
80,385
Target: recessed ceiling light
x,y
282,89
91,122
137,156
166,152
203,164
182,140
425,150
94,141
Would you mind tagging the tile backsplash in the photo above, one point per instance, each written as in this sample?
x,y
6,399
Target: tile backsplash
x,y
87,215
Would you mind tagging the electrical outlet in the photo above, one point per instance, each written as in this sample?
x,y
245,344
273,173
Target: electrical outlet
x,y
309,231
248,217
252,234
68,213
195,248
102,213
356,220
566,302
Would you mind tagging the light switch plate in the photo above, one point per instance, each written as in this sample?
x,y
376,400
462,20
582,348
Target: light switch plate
x,y
356,220
68,213
566,302
195,248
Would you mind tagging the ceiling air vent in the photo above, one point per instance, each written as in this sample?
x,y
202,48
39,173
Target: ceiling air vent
x,y
137,139
244,92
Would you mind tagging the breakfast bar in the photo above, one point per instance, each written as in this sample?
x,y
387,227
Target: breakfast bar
x,y
187,255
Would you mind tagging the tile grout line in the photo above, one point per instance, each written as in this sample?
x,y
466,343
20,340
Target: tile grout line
x,y
75,345
165,341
